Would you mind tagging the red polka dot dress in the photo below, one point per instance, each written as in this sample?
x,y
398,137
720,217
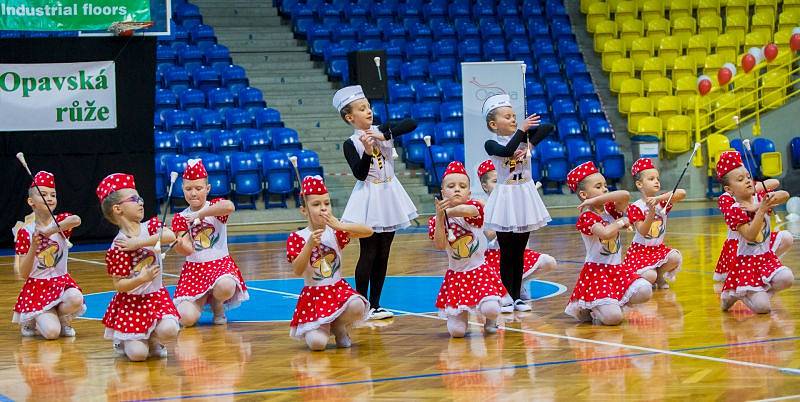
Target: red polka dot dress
x,y
727,257
133,315
326,294
469,280
604,279
210,261
531,260
45,286
755,264
649,252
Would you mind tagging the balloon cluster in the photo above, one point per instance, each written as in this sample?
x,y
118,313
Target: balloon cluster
x,y
752,58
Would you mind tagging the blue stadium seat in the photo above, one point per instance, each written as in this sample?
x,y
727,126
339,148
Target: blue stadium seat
x,y
427,112
760,146
357,14
451,111
188,15
266,117
435,168
284,139
490,30
569,128
217,54
254,139
225,142
217,175
443,31
400,93
165,143
175,163
414,72
192,99
205,119
794,145
192,142
459,9
611,160
165,100
751,166
557,88
220,99
554,163
279,178
590,108
467,31
548,67
513,29
451,91
414,144
308,164
246,175
564,108
206,78
494,49
599,127
250,97
234,77
237,118
166,55
190,57
449,133
202,36
469,50
445,50
578,151
177,120
399,111
518,48
176,79
427,92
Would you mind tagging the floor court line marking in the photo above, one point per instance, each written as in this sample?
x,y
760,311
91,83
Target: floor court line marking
x,y
780,398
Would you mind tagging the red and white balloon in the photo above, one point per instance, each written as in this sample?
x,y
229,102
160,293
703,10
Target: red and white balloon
x,y
726,73
704,84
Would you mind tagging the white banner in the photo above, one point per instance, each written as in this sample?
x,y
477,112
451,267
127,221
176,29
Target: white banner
x,y
480,81
58,96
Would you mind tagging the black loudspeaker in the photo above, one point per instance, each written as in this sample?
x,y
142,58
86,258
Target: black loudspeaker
x,y
361,64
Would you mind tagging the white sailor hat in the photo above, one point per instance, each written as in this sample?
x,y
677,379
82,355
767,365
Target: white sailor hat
x,y
495,101
347,95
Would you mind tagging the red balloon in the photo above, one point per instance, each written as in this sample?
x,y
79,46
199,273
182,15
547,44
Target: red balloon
x,y
748,62
724,76
770,51
704,86
794,42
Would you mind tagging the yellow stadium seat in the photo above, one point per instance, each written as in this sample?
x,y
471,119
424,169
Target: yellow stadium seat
x,y
641,50
629,90
754,39
659,88
772,164
770,6
684,89
702,104
791,5
764,23
652,10
585,5
728,46
737,25
788,20
649,126
737,7
621,70
698,48
597,12
678,135
604,31
684,67
667,107
630,30
680,9
653,68
782,38
640,108
670,48
657,28
613,50
716,144
612,5
684,27
626,11
711,27
725,108
773,89
746,91
707,7
713,63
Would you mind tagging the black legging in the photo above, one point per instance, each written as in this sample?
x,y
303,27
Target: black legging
x,y
512,258
371,267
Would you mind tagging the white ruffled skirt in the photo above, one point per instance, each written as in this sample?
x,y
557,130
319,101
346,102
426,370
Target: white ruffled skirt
x,y
515,208
385,207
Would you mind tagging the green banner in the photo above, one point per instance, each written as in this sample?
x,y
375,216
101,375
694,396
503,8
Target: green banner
x,y
70,15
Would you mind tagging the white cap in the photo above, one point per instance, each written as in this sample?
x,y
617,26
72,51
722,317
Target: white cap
x,y
347,95
495,101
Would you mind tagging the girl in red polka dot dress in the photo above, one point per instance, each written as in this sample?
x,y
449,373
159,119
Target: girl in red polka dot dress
x,y
327,303
533,261
647,254
50,298
605,284
209,275
780,241
141,317
757,273
470,284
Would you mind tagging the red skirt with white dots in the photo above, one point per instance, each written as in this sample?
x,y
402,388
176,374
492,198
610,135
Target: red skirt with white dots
x,y
641,258
602,284
529,265
198,278
463,291
727,257
40,295
752,273
320,305
132,317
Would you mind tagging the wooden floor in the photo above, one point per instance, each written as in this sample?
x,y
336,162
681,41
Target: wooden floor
x,y
678,346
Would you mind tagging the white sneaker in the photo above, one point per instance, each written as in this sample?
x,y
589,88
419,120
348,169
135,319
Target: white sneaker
x,y
379,313
520,305
507,308
159,351
342,338
28,329
490,326
67,331
220,319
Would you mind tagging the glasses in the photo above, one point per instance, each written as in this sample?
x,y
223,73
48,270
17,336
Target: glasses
x,y
133,198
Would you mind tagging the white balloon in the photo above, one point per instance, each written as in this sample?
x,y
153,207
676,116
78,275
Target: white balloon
x,y
793,205
757,53
795,30
703,78
730,66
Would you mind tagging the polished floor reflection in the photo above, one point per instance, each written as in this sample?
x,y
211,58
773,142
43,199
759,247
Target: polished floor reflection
x,y
678,346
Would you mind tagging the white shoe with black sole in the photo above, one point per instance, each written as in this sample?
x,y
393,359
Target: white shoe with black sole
x,y
380,313
521,306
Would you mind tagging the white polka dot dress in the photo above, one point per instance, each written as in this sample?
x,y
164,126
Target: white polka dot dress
x,y
755,262
210,261
45,286
604,279
325,294
469,280
531,259
647,253
133,315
